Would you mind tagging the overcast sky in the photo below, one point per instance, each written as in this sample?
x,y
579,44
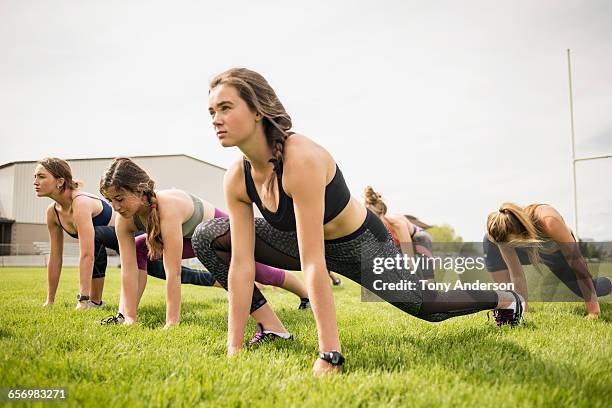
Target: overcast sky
x,y
447,108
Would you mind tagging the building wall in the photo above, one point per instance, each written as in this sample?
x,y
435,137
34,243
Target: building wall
x,y
7,180
199,178
18,197
24,235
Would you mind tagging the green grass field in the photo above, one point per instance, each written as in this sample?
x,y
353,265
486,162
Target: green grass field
x,y
556,358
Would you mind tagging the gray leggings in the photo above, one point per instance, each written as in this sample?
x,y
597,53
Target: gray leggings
x,y
351,256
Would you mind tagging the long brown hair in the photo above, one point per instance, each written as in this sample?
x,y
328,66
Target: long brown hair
x,y
124,174
515,226
261,98
60,169
374,202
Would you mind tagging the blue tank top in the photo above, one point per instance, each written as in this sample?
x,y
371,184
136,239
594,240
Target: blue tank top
x,y
103,218
337,196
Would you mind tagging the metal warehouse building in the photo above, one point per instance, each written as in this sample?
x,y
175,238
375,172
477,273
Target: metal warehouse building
x,y
22,214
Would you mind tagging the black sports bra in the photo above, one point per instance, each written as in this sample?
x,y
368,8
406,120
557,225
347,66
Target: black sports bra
x,y
337,196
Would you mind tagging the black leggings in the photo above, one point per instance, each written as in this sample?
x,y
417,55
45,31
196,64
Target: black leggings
x,y
557,264
105,237
350,256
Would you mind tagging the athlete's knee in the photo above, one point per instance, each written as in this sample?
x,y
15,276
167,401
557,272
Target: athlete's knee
x,y
208,233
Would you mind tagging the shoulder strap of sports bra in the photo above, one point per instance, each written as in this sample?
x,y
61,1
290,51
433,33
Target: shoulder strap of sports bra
x,y
87,195
250,184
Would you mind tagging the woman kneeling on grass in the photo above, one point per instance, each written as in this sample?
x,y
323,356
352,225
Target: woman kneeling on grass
x,y
92,221
169,218
537,233
310,223
79,214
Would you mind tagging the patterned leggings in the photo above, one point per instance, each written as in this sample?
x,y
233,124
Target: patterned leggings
x,y
351,256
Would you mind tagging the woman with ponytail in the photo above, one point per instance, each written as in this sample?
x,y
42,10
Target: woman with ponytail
x,y
80,214
310,223
169,218
537,234
410,238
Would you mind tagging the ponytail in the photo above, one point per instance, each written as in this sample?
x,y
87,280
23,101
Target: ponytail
x,y
513,226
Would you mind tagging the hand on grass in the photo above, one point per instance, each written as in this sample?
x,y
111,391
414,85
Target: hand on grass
x,y
128,321
170,325
233,350
592,308
82,305
322,367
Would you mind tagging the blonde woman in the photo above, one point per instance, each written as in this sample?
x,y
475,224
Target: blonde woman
x,y
537,234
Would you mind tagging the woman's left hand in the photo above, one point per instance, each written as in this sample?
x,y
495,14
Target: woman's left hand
x,y
322,367
593,310
169,325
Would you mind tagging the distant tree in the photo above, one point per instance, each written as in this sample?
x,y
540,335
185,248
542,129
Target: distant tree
x,y
444,233
589,249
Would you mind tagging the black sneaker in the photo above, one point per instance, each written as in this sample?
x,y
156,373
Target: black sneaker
x,y
304,304
117,319
261,337
510,316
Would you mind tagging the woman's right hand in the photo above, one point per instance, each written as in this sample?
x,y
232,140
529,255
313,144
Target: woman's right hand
x,y
128,321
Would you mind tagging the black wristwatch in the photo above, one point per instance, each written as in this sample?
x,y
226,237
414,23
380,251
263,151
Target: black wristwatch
x,y
82,298
334,358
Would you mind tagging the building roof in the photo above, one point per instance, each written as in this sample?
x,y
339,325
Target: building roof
x,y
110,158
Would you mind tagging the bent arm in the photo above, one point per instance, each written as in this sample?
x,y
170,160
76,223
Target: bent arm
x,y
54,266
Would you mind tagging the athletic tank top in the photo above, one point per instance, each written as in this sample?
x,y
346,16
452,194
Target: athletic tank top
x,y
337,196
188,226
415,229
103,218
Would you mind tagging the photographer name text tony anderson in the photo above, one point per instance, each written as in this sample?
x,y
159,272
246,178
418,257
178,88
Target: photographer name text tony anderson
x,y
404,284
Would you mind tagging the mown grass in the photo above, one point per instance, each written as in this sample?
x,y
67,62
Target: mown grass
x,y
556,358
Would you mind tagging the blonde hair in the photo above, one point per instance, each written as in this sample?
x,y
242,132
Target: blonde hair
x,y
126,175
516,227
374,202
261,98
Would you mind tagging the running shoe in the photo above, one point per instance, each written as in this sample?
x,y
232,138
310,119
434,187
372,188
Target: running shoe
x,y
510,316
91,303
304,304
117,319
263,336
